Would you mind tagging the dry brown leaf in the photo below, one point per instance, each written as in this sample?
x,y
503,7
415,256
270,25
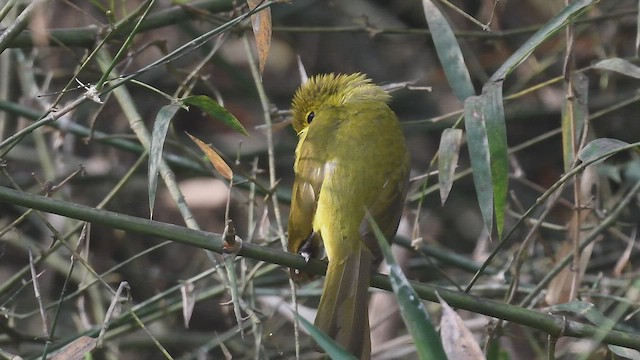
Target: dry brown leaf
x,y
458,342
264,225
214,158
277,126
187,290
563,288
76,349
261,24
623,261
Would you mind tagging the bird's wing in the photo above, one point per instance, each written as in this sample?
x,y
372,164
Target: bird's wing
x,y
306,190
386,210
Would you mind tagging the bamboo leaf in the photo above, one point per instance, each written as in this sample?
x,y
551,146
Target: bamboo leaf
x,y
211,107
448,52
214,158
618,65
625,353
570,12
333,349
583,309
158,135
457,339
77,349
188,294
478,143
493,108
449,152
414,314
261,25
603,147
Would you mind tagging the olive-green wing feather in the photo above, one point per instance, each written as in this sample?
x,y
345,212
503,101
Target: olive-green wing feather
x,y
343,309
386,210
309,171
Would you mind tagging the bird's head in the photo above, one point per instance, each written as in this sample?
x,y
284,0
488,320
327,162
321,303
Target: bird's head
x,y
332,90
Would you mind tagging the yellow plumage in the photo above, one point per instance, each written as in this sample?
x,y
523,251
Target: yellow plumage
x,y
351,157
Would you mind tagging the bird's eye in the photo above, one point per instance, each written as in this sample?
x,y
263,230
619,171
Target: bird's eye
x,y
310,117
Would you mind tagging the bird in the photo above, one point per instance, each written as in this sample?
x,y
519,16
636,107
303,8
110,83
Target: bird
x,y
351,159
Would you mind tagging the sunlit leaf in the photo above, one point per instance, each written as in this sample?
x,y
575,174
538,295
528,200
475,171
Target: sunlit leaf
x,y
448,52
214,158
212,108
414,314
449,152
159,134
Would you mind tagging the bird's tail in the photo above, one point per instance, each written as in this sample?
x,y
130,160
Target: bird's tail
x,y
343,310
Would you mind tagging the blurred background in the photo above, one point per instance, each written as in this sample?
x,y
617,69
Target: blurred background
x,y
388,41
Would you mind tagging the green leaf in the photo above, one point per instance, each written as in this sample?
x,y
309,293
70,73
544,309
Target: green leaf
x,y
493,108
449,152
160,128
558,22
620,66
211,107
583,309
414,314
448,52
333,349
601,149
625,353
474,123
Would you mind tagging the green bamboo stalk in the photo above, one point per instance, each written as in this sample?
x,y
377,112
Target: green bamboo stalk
x,y
556,326
18,26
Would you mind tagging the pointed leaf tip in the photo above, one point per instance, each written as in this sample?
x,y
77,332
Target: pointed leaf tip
x,y
212,108
261,25
601,148
449,152
215,158
158,136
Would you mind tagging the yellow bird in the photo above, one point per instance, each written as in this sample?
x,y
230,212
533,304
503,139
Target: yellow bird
x,y
351,158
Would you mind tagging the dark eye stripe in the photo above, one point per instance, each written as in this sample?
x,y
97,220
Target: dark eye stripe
x,y
310,117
